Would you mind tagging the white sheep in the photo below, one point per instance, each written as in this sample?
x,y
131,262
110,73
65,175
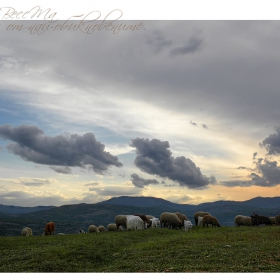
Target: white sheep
x,y
81,231
187,225
26,231
199,221
61,233
134,223
155,222
241,220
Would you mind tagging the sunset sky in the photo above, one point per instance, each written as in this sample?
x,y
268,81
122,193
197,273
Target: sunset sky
x,y
184,110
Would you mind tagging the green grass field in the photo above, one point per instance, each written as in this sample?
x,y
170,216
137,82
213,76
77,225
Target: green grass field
x,y
226,249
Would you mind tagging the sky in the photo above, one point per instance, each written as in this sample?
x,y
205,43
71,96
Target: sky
x,y
184,110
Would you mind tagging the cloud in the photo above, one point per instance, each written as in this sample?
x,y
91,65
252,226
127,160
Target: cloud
x,y
235,183
205,126
157,41
254,155
241,167
30,182
272,143
153,157
25,199
93,184
193,123
246,168
193,45
267,175
140,182
73,150
270,174
61,169
115,191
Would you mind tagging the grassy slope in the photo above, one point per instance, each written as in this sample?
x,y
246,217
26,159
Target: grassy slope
x,y
226,249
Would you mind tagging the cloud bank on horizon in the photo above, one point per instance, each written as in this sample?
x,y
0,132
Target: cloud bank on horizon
x,y
175,110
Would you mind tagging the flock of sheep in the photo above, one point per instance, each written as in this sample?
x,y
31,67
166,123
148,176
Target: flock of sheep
x,y
167,219
255,220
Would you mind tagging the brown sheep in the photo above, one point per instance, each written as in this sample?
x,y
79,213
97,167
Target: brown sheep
x,y
182,217
170,220
49,228
112,227
210,220
101,228
150,216
258,220
120,220
201,214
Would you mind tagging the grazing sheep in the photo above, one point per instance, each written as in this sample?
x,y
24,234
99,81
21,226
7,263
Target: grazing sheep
x,y
199,221
258,220
170,220
134,223
210,220
201,214
112,227
120,228
182,217
120,220
49,229
150,217
146,221
101,228
81,231
240,220
26,231
155,222
277,219
187,225
92,228
273,220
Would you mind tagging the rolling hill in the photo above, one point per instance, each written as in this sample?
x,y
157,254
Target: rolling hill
x,y
71,218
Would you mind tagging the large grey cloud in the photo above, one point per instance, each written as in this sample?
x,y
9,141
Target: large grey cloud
x,y
266,174
234,77
153,157
272,143
74,150
140,182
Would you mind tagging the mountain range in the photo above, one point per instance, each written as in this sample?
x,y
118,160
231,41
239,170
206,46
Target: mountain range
x,y
71,218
